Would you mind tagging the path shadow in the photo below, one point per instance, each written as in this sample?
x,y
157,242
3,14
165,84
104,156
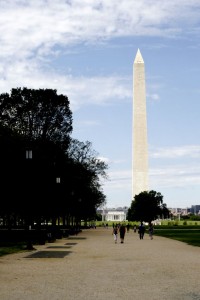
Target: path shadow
x,y
76,238
49,254
58,247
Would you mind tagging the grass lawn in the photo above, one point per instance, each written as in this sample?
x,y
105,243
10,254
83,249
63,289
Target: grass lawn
x,y
189,236
9,248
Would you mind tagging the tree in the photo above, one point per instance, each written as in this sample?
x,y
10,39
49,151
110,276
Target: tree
x,y
37,114
41,121
146,206
86,174
83,153
165,212
9,175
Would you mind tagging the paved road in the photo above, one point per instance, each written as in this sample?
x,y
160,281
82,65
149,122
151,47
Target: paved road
x,y
91,266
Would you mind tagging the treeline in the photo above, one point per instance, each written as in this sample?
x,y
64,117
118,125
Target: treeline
x,y
191,217
46,176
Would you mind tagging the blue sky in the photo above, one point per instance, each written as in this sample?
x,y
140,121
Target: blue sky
x,y
85,49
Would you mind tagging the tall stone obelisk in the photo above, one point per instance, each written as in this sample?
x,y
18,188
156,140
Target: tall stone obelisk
x,y
140,146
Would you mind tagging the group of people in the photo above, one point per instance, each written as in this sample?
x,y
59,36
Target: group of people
x,y
120,229
142,229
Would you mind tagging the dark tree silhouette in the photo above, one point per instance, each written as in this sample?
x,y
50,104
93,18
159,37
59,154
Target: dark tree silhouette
x,y
86,174
146,206
37,114
41,120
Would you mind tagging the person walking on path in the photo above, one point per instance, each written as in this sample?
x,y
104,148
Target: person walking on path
x,y
141,230
115,233
128,227
122,231
151,231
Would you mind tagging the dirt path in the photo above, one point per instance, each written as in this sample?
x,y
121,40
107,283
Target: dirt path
x,y
95,268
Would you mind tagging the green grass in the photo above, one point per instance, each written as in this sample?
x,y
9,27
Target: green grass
x,y
181,222
9,248
189,236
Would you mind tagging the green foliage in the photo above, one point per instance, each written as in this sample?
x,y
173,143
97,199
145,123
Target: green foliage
x,y
86,179
146,206
189,236
179,223
98,217
194,217
41,120
37,114
9,248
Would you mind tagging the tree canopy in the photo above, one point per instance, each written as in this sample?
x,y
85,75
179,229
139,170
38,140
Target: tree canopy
x,y
146,206
37,114
41,120
86,174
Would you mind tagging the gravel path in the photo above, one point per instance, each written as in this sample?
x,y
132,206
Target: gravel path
x,y
95,268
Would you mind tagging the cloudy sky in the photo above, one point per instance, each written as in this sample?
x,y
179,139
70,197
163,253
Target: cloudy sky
x,y
85,49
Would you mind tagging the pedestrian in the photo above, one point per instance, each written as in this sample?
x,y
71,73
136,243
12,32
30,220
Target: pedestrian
x,y
151,230
128,227
122,231
141,230
115,233
134,228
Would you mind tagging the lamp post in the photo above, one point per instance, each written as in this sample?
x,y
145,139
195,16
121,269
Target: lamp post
x,y
58,182
79,215
29,156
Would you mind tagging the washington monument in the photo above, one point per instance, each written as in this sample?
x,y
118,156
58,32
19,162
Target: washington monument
x,y
140,145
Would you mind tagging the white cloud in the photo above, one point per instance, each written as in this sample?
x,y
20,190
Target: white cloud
x,y
80,90
118,180
105,159
175,176
189,151
170,176
32,30
26,27
153,97
174,173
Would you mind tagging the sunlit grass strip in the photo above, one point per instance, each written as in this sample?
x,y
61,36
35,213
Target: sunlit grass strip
x,y
189,236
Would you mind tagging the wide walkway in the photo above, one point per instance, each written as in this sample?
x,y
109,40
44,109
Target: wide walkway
x,y
90,266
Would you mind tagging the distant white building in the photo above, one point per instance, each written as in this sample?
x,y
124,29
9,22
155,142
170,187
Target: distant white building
x,y
114,215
